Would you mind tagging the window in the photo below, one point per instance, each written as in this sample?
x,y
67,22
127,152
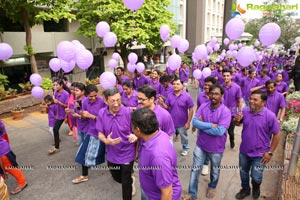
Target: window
x,y
52,26
7,25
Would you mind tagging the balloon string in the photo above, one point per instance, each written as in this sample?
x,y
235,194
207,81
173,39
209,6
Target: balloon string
x,y
101,55
133,26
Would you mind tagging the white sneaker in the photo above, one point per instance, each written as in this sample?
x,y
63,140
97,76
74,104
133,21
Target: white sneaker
x,y
205,170
133,186
184,153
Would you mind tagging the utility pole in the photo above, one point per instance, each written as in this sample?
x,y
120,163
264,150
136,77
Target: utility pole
x,y
227,15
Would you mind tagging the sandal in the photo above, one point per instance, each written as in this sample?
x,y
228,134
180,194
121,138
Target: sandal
x,y
176,139
210,193
53,151
80,179
187,197
18,189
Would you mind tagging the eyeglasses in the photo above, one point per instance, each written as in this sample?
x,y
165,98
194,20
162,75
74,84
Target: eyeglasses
x,y
113,101
141,99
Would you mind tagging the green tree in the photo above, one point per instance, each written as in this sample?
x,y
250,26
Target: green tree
x,y
141,26
289,28
31,12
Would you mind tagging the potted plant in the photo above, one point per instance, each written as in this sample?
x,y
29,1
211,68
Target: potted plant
x,y
47,84
26,87
17,112
44,107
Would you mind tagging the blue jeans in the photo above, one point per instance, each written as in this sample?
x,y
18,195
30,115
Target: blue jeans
x,y
184,138
81,136
246,164
143,195
198,161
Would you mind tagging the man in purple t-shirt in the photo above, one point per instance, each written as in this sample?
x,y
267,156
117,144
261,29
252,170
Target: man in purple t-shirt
x,y
181,107
146,99
232,100
276,101
158,163
114,129
212,120
256,150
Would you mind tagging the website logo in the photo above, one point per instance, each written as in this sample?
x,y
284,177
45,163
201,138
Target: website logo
x,y
237,10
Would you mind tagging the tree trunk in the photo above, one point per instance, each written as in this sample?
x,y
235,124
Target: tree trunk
x,y
124,55
28,39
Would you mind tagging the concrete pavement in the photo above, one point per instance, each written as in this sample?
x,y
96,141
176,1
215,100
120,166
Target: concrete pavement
x,y
49,177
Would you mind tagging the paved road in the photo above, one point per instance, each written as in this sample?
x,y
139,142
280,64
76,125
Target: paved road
x,y
49,177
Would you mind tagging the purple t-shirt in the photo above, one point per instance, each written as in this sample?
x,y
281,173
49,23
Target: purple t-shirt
x,y
2,129
83,124
155,85
246,85
158,167
262,81
273,75
282,87
231,96
93,108
140,81
184,74
257,129
239,78
165,120
275,101
63,97
178,107
132,101
220,116
165,91
120,126
51,114
5,148
202,98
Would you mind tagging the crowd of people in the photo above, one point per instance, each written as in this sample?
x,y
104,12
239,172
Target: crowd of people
x,y
141,117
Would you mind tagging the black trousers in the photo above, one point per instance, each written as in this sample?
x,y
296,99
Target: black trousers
x,y
122,174
85,170
57,125
231,130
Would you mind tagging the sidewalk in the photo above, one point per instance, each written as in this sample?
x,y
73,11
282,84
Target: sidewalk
x,y
49,177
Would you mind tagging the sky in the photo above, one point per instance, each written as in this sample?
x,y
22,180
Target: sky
x,y
250,14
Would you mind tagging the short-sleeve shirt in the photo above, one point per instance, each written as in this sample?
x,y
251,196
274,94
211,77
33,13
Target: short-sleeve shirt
x,y
231,96
63,97
165,120
257,130
220,116
131,101
93,108
120,126
178,107
275,102
157,167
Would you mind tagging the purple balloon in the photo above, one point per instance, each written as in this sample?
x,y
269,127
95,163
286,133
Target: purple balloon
x,y
37,92
102,28
256,43
175,41
132,58
226,41
200,52
209,49
110,39
245,56
67,67
214,40
183,45
240,45
116,56
131,67
6,51
164,32
66,51
133,5
140,67
235,28
216,47
206,72
269,34
197,74
54,64
107,80
174,61
112,63
85,59
231,47
36,79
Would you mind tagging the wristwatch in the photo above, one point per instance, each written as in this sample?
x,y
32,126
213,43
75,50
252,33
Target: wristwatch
x,y
270,153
